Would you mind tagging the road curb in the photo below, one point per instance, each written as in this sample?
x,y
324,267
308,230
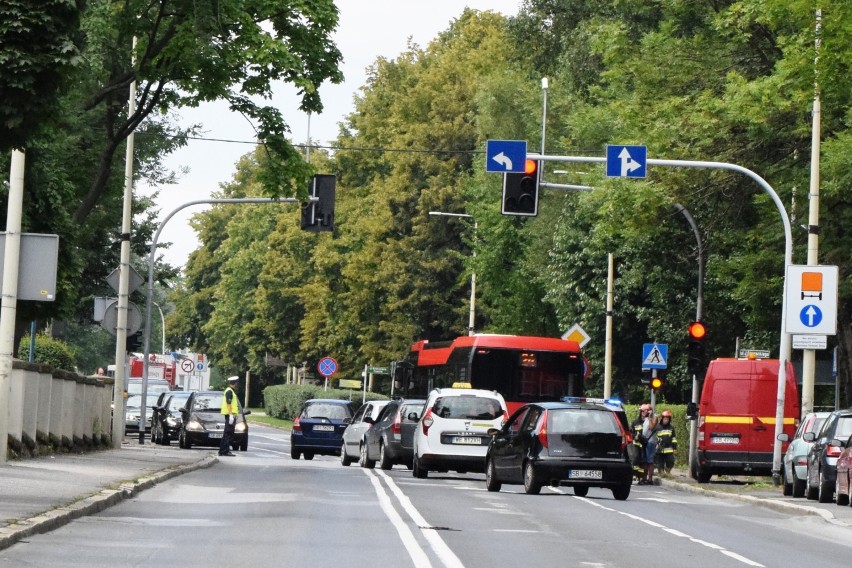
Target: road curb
x,y
95,503
773,504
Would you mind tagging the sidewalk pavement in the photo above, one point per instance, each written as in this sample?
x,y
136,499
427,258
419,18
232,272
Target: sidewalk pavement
x,y
40,494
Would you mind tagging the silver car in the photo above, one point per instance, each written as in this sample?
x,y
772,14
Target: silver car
x,y
795,466
353,436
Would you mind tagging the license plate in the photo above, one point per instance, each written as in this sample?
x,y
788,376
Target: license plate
x,y
585,474
467,440
214,434
725,440
323,428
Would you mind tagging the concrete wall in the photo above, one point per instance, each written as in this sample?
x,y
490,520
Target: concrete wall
x,y
56,408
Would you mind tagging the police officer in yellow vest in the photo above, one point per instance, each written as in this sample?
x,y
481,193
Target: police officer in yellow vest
x,y
230,411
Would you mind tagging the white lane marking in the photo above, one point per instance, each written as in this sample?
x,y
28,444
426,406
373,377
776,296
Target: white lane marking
x,y
516,531
272,452
677,533
418,556
438,545
498,511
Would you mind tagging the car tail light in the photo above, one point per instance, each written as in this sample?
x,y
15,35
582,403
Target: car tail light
x,y
296,425
427,421
833,451
542,433
396,427
626,437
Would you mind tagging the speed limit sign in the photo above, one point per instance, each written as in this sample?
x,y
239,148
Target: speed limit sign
x,y
187,365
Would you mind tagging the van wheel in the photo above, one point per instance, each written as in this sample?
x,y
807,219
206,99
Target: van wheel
x,y
418,470
532,486
825,492
582,490
491,481
703,476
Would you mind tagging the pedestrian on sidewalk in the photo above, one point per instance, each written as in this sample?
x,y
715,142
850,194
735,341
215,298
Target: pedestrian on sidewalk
x,y
650,428
230,410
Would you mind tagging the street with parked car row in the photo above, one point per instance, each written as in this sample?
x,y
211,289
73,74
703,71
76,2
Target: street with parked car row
x,y
262,508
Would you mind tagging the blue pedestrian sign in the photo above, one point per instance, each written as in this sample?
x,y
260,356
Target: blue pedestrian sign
x,y
626,161
327,366
655,355
505,156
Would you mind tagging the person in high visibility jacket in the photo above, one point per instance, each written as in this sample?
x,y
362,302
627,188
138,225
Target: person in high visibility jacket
x,y
666,443
637,449
230,411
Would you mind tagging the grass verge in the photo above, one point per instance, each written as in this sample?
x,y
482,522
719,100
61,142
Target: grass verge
x,y
268,420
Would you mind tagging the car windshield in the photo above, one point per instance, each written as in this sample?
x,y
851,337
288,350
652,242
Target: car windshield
x,y
326,410
571,420
135,401
176,402
208,403
844,427
467,408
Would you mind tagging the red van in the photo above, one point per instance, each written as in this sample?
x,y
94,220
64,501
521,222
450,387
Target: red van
x,y
736,417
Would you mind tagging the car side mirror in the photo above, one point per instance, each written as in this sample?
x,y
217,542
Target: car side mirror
x,y
838,443
246,412
493,432
809,436
691,411
369,420
784,437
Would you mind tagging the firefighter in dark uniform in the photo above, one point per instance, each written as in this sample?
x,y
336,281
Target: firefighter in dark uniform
x,y
666,443
636,450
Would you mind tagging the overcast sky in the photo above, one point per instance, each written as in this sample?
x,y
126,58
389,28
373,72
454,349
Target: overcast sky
x,y
367,29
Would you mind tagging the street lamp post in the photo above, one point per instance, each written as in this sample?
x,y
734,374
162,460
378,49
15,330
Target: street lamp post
x,y
472,313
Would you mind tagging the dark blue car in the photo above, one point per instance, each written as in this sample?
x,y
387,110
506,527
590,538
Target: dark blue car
x,y
318,429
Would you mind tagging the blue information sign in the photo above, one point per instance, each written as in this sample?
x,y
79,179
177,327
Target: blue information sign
x,y
502,156
626,161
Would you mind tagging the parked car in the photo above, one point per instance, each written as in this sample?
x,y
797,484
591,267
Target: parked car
x,y
318,429
133,408
822,457
843,484
353,436
578,444
167,418
391,439
795,466
203,422
155,387
452,433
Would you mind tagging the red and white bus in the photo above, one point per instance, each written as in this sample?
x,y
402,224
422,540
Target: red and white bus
x,y
521,368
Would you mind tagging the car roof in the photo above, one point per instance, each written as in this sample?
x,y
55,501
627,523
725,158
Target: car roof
x,y
330,400
565,405
462,392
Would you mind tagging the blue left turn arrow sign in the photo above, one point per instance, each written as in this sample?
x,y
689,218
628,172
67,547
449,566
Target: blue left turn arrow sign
x,y
505,156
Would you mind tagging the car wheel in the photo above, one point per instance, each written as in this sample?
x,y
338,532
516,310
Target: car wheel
x,y
418,470
309,456
295,454
244,444
187,445
344,458
825,491
532,486
365,461
786,486
620,493
491,481
799,486
581,490
384,459
841,499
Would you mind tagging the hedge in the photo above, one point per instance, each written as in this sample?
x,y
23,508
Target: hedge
x,y
285,401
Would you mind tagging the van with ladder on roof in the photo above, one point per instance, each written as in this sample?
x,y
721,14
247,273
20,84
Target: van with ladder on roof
x,y
736,417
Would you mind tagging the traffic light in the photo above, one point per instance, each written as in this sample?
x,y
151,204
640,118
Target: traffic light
x,y
520,191
695,352
646,376
318,216
658,382
133,342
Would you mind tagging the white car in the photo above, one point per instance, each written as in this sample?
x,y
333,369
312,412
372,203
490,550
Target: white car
x,y
795,463
452,433
353,437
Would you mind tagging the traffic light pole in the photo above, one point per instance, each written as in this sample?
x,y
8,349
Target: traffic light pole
x,y
785,341
152,256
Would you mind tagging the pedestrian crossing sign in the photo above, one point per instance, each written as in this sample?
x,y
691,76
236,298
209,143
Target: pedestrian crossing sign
x,y
655,355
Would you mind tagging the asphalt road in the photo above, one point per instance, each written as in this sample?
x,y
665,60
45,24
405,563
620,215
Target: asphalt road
x,y
261,508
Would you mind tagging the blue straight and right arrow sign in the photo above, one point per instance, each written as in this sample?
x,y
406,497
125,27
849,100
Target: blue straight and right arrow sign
x,y
626,161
